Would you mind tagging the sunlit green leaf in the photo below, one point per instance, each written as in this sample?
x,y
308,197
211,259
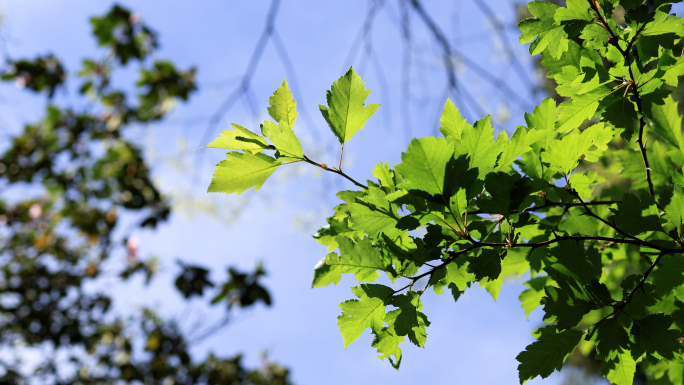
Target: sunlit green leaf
x,y
242,171
346,112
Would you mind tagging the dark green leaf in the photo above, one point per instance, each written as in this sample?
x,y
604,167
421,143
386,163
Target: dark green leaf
x,y
486,265
548,353
611,337
636,217
410,321
654,337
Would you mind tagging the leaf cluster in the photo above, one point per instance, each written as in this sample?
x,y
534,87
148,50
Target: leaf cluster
x,y
587,199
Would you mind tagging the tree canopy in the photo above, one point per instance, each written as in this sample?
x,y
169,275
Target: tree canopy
x,y
68,180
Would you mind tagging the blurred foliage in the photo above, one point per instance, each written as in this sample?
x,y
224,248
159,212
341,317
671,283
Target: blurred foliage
x,y
122,32
67,180
41,74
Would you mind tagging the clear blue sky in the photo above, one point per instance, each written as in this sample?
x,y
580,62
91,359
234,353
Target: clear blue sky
x,y
474,341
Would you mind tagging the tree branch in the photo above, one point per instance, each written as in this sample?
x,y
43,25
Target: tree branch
x,y
335,170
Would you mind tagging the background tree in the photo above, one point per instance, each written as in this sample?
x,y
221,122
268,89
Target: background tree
x,y
69,181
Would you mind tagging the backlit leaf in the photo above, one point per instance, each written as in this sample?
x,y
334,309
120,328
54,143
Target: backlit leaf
x,y
242,171
346,112
282,107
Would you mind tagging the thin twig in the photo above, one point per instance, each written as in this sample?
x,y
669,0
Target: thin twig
x,y
336,171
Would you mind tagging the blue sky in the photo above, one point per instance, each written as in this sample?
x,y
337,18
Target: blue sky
x,y
474,341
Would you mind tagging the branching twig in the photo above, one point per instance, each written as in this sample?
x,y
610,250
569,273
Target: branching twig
x,y
614,39
332,169
549,204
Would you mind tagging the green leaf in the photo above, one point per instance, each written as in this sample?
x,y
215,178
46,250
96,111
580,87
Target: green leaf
x,y
282,107
452,124
581,107
543,118
578,222
325,274
520,143
409,320
284,139
654,337
668,274
507,192
239,139
621,113
338,224
493,287
564,155
611,337
514,263
386,176
595,36
674,211
423,165
620,371
409,254
589,76
670,68
479,144
486,265
387,341
458,275
664,23
583,183
374,214
574,10
568,303
242,171
652,98
636,217
548,353
346,112
366,312
667,122
530,299
641,299
574,260
544,28
659,161
569,58
531,164
359,257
